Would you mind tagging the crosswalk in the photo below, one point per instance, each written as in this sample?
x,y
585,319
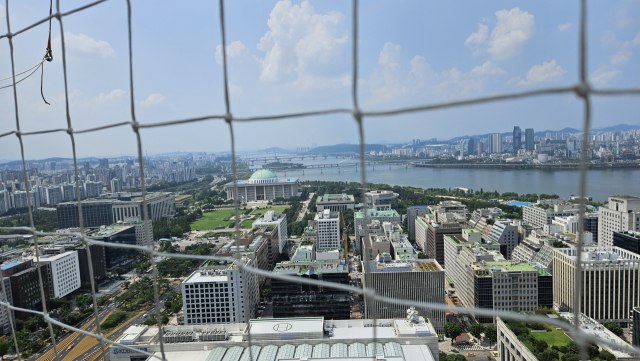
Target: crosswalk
x,y
469,347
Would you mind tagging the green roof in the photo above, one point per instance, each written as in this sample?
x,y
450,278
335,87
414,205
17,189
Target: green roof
x,y
263,174
471,230
509,266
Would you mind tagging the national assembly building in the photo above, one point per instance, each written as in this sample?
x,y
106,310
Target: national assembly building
x,y
262,185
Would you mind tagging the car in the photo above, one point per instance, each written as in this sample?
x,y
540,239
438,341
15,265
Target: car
x,y
471,354
494,353
145,316
70,347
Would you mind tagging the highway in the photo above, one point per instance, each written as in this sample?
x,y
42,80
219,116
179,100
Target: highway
x,y
86,348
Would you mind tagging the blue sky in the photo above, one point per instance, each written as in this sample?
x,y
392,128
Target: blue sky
x,y
291,56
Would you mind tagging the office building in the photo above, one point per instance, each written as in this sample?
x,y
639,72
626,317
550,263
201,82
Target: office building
x,y
104,163
621,214
271,236
483,278
629,241
635,336
415,280
541,214
255,248
262,185
610,282
115,256
481,149
292,299
509,347
123,208
506,235
97,261
335,202
64,273
494,143
375,245
5,320
328,227
430,231
372,215
517,139
591,220
279,222
413,213
377,198
410,338
472,147
25,286
220,295
529,139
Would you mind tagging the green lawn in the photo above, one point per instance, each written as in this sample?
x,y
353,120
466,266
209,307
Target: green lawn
x,y
213,220
553,338
216,219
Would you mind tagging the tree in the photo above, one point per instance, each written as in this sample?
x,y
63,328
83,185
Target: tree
x,y
541,345
442,356
4,347
452,330
606,355
83,302
613,327
491,333
422,255
548,355
476,330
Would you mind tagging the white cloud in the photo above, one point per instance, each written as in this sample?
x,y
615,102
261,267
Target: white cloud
x,y
513,28
479,37
302,45
391,79
2,12
564,27
603,75
543,73
234,49
234,89
624,53
84,44
153,99
116,94
636,40
488,68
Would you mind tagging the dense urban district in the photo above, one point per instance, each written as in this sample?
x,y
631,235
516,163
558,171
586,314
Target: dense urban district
x,y
452,247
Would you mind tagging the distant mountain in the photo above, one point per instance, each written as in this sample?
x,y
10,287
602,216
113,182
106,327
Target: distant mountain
x,y
613,128
345,148
273,149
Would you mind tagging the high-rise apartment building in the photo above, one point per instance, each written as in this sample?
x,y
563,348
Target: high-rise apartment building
x,y
220,295
472,147
621,214
529,139
517,138
610,282
328,226
494,143
416,280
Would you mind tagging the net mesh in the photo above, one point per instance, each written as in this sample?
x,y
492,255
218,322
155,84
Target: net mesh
x,y
582,89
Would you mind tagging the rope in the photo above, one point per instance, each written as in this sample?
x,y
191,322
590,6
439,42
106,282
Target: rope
x,y
19,81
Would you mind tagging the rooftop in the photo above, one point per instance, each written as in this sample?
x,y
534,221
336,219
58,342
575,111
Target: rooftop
x,y
263,174
426,265
110,231
510,266
459,241
378,213
631,198
335,198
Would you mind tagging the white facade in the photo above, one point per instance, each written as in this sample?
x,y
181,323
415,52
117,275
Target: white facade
x,y
92,189
220,295
54,195
328,226
506,235
622,214
65,273
567,224
494,143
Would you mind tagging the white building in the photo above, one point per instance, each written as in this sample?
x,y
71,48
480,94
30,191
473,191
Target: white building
x,y
567,224
620,215
262,185
328,226
279,221
64,274
222,295
54,195
494,143
92,189
506,235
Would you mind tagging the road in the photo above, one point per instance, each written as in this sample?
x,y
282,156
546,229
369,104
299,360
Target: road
x,y
87,348
305,204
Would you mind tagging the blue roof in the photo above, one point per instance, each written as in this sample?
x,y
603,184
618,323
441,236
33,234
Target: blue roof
x,y
9,265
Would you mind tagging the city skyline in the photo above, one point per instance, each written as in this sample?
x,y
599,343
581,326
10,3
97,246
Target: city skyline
x,y
180,78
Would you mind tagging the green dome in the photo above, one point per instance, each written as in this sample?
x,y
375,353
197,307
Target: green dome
x,y
263,174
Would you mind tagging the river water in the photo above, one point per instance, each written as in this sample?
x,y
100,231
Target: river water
x,y
600,183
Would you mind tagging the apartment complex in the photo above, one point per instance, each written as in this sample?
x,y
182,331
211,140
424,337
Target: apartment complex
x,y
621,214
416,280
220,295
292,299
610,282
